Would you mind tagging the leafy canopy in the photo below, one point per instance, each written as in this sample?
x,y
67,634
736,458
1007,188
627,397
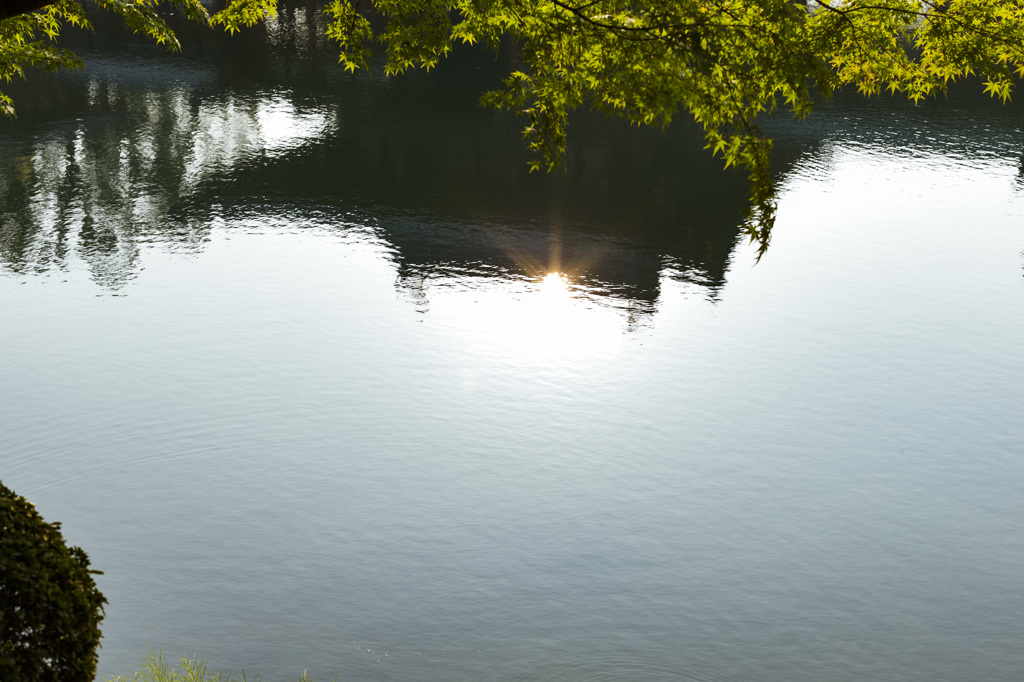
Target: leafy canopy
x,y
50,607
724,62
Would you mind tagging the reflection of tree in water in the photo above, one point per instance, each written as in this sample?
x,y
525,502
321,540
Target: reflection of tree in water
x,y
51,208
150,150
598,270
103,186
156,159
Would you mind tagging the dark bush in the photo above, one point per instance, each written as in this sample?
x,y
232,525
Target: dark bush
x,y
50,608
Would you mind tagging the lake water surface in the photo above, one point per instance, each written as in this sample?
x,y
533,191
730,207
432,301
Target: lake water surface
x,y
322,378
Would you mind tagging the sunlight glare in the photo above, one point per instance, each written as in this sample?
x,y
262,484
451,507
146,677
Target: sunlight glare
x,y
554,286
544,322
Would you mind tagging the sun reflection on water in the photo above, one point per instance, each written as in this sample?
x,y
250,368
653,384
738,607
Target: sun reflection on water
x,y
532,321
555,289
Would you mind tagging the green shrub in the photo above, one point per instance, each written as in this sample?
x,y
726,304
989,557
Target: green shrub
x,y
50,608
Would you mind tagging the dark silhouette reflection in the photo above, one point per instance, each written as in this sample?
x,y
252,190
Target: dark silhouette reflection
x,y
147,148
150,148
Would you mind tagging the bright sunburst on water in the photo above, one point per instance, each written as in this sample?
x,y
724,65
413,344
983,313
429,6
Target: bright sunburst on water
x,y
541,320
554,284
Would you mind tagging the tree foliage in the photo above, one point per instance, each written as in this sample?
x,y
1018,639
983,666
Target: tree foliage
x,y
29,39
723,62
50,608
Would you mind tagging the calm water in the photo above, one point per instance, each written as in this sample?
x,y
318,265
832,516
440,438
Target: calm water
x,y
323,379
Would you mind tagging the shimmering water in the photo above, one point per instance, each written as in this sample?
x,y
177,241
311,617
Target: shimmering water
x,y
323,379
